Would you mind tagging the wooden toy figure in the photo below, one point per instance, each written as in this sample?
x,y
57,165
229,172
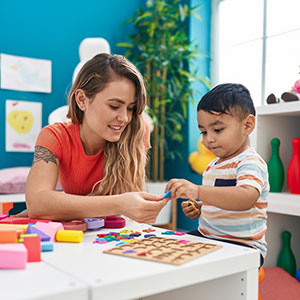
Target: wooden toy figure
x,y
293,173
275,168
286,259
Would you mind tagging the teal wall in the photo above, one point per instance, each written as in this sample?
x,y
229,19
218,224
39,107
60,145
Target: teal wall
x,y
53,30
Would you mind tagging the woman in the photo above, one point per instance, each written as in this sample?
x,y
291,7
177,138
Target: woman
x,y
99,157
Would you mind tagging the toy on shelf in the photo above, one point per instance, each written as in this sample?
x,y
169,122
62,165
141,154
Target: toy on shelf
x,y
292,95
293,173
275,168
286,259
199,160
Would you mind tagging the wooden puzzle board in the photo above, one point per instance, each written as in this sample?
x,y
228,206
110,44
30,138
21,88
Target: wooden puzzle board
x,y
165,250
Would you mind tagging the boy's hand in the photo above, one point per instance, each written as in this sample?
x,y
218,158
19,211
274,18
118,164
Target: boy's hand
x,y
181,188
191,208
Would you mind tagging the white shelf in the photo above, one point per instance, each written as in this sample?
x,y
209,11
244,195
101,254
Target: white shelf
x,y
282,109
284,203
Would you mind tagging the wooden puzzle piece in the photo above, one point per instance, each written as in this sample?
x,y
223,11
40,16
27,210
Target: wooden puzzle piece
x,y
165,250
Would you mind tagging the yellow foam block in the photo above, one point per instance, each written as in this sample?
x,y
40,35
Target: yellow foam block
x,y
69,236
22,226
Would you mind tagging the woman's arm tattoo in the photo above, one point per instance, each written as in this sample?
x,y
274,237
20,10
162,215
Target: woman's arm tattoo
x,y
42,153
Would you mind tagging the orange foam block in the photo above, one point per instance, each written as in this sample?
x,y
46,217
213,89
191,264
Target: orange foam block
x,y
13,256
19,229
5,207
8,234
33,245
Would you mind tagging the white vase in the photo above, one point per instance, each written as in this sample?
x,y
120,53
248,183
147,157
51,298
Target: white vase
x,y
165,215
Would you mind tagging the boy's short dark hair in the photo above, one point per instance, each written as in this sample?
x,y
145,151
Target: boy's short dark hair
x,y
228,98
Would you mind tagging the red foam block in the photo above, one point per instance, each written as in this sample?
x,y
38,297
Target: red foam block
x,y
23,220
33,245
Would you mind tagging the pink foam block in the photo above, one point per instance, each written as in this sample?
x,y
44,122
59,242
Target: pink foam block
x,y
44,237
3,216
13,256
50,228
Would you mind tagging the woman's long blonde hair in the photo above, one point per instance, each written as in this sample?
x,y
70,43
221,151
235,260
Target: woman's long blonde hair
x,y
125,160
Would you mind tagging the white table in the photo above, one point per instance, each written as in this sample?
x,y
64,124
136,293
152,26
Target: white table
x,y
227,273
41,281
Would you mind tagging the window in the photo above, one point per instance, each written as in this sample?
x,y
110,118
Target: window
x,y
256,43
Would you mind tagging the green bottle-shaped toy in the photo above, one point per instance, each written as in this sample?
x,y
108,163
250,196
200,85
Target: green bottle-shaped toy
x,y
286,259
275,168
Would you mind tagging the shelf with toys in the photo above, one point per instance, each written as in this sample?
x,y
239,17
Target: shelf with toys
x,y
279,120
282,121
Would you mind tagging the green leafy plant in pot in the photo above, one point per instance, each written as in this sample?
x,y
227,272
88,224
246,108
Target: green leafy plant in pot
x,y
161,49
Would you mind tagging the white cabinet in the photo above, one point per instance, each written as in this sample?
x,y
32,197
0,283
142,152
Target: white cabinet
x,y
281,120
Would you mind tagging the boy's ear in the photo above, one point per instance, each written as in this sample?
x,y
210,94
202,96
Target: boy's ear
x,y
249,124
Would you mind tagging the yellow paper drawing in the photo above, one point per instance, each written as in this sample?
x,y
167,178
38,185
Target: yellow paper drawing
x,y
20,120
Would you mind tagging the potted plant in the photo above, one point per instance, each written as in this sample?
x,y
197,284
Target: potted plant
x,y
161,49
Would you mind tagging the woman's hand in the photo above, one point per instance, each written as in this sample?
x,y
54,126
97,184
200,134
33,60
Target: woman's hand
x,y
141,206
191,208
181,188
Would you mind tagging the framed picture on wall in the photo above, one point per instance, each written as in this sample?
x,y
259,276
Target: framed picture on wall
x,y
25,74
23,124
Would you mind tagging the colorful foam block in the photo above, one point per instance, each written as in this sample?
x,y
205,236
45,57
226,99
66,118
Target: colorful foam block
x,y
33,245
8,234
94,223
114,222
13,256
75,225
47,246
19,230
21,239
44,237
70,236
50,228
22,226
5,207
3,216
22,220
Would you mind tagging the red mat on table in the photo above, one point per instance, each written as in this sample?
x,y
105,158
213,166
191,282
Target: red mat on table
x,y
279,285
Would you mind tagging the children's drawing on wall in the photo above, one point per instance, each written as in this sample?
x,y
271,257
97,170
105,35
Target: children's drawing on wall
x,y
23,123
25,74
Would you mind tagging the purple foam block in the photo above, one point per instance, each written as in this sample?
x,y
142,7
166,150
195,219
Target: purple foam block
x,y
44,237
94,223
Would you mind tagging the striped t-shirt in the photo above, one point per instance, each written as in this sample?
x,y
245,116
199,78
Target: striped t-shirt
x,y
247,226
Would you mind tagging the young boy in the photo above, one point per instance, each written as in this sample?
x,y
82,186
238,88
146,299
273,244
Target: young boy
x,y
233,204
